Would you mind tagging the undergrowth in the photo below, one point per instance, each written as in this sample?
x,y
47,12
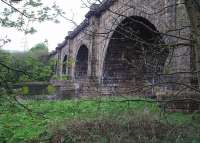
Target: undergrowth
x,y
100,120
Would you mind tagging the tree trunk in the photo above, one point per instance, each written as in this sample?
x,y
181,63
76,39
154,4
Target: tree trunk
x,y
193,10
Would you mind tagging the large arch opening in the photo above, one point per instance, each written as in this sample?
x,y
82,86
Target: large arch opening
x,y
64,67
135,53
81,66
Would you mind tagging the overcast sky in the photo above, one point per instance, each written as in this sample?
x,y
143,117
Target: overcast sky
x,y
54,33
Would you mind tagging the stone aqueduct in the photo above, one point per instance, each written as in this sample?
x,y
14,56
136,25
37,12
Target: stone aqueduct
x,y
97,49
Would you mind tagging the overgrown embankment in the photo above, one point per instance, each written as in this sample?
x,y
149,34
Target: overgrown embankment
x,y
97,120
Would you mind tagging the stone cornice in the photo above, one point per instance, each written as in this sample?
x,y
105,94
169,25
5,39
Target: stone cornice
x,y
61,45
95,10
79,28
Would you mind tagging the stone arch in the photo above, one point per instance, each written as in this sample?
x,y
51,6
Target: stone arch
x,y
117,19
133,52
81,62
64,66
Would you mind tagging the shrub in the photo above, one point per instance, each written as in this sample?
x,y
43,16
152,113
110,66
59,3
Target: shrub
x,y
51,89
25,90
63,77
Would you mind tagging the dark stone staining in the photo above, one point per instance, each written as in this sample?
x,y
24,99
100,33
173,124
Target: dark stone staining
x,y
194,80
81,65
134,52
64,68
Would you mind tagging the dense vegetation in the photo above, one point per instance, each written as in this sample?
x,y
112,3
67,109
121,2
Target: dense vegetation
x,y
100,120
33,65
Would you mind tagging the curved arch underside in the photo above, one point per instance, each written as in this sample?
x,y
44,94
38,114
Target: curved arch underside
x,y
134,53
81,65
64,68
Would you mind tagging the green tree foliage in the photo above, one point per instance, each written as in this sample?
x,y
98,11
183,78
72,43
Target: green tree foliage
x,y
5,61
34,64
24,14
40,47
20,13
38,62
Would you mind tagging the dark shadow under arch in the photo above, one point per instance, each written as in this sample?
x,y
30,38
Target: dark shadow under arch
x,y
64,68
81,65
134,52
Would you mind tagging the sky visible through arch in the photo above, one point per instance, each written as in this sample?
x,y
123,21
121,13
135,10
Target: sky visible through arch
x,y
54,33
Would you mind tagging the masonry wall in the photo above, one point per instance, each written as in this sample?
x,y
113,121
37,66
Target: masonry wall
x,y
166,15
163,19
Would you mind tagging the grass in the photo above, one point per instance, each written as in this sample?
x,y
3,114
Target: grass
x,y
49,119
